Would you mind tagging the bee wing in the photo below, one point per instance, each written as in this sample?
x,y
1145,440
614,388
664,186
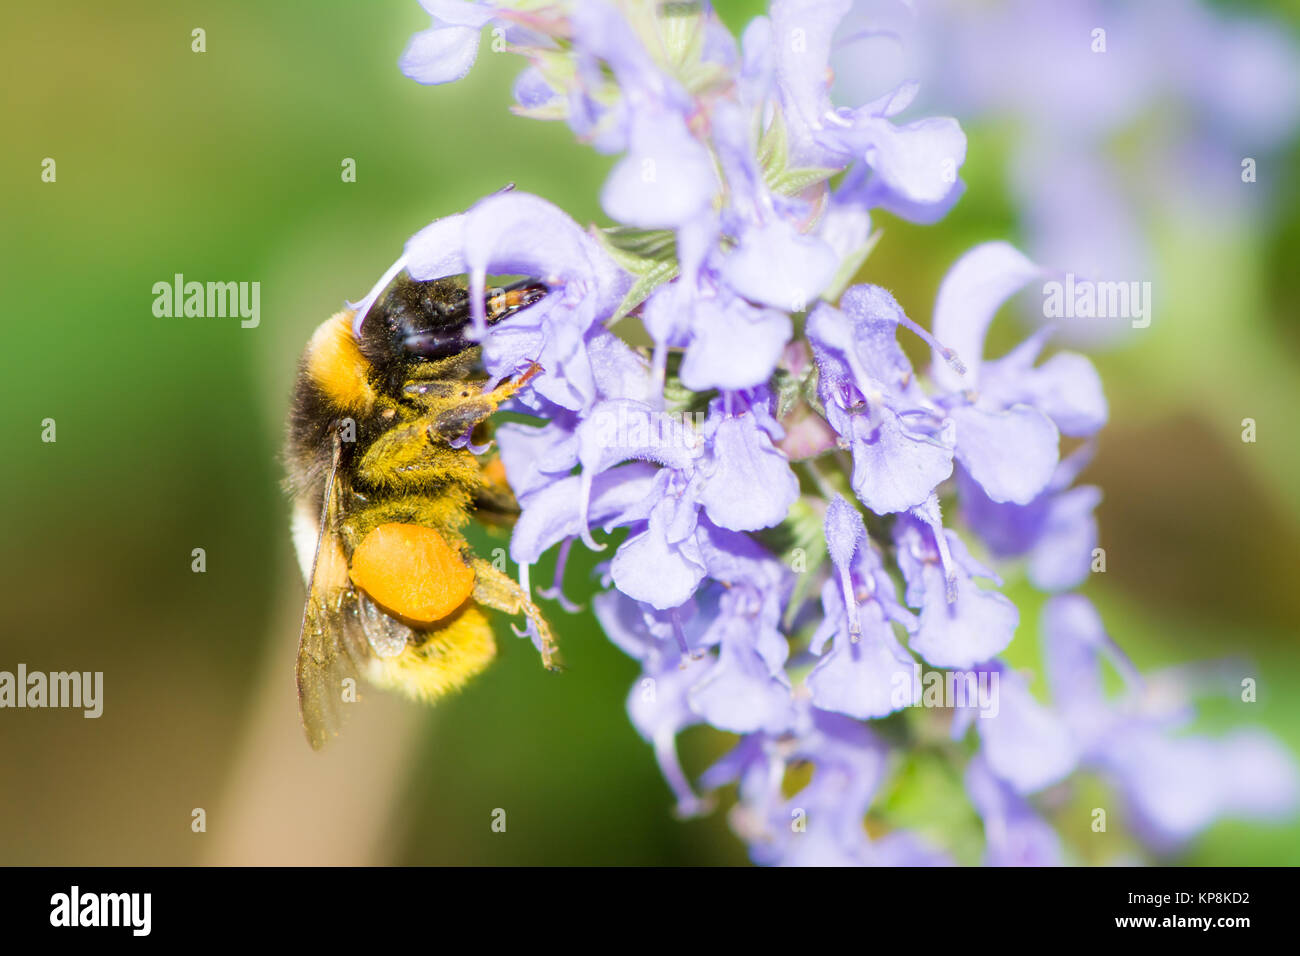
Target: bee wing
x,y
386,635
327,656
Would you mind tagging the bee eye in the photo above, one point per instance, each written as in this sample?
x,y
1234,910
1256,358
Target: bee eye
x,y
437,343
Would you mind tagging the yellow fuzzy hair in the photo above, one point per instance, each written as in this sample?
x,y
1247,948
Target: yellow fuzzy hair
x,y
457,650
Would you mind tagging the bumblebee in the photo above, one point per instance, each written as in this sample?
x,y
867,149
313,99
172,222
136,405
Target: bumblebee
x,y
385,477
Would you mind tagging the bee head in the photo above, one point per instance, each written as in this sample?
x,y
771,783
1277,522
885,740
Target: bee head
x,y
414,320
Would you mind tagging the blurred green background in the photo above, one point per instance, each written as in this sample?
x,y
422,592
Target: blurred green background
x,y
226,166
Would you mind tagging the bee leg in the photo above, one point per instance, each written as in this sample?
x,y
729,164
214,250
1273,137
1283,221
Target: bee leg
x,y
401,458
496,589
457,420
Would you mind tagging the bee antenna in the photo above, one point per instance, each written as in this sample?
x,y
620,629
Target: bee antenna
x,y
508,187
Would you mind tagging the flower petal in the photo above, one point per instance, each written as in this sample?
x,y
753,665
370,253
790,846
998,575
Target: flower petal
x,y
1062,557
713,360
651,568
441,54
1016,835
1026,744
739,692
845,531
519,233
664,180
438,250
895,469
975,627
777,266
915,164
801,35
1068,389
554,512
867,678
971,293
1012,453
752,485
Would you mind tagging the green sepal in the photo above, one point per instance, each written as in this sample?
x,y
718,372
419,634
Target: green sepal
x,y
648,254
791,182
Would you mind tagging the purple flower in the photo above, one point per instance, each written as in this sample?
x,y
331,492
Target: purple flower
x,y
1008,413
661,562
1088,168
1056,532
1175,785
910,170
746,689
822,824
667,643
961,624
726,453
446,51
866,673
718,656
729,471
749,484
517,233
666,178
706,325
1015,834
777,266
1025,744
901,443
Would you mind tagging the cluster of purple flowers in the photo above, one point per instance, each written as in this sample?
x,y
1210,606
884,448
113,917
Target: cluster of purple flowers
x,y
1119,114
775,466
